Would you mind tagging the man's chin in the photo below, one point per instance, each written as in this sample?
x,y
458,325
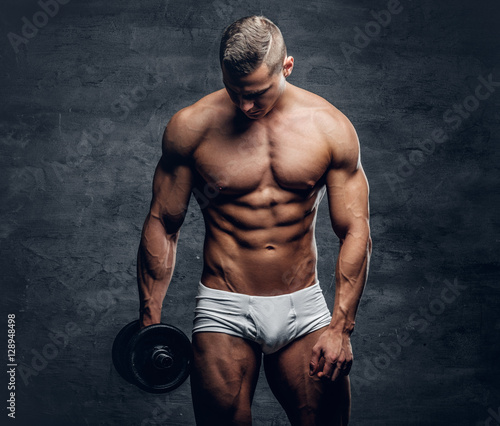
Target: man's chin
x,y
255,115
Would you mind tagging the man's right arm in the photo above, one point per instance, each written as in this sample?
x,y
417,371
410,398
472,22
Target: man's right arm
x,y
172,186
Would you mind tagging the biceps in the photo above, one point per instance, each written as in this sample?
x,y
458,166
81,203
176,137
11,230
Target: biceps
x,y
348,202
172,186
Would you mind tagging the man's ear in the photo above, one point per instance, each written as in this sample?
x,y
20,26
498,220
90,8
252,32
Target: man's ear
x,y
287,66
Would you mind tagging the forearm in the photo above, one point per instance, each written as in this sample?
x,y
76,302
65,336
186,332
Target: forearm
x,y
155,266
351,273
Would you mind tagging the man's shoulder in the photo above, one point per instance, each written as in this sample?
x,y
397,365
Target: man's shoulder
x,y
325,115
188,127
336,129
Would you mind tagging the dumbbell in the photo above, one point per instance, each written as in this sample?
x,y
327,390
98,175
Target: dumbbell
x,y
156,359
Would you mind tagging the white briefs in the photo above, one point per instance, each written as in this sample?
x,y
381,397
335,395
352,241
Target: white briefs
x,y
270,321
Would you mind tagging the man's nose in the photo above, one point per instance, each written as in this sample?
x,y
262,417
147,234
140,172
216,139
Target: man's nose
x,y
246,105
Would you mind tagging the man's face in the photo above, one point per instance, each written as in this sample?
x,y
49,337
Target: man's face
x,y
256,93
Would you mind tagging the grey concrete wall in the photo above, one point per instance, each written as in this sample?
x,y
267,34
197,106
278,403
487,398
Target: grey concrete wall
x,y
85,98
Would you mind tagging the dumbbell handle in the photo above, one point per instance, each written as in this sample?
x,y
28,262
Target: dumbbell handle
x,y
162,358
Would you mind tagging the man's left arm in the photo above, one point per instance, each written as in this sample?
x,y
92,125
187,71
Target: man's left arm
x,y
347,190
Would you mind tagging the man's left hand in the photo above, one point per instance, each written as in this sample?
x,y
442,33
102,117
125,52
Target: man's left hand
x,y
331,356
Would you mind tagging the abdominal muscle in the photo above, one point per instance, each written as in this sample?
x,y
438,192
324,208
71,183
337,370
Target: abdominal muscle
x,y
260,250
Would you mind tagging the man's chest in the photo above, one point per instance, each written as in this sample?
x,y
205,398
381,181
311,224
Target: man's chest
x,y
291,158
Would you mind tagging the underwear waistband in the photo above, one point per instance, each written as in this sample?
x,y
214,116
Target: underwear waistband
x,y
204,291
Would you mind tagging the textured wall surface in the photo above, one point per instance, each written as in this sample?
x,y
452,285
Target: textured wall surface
x,y
87,88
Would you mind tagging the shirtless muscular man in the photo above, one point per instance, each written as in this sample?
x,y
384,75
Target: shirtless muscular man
x,y
264,152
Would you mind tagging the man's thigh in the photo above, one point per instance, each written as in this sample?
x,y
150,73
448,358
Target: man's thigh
x,y
223,379
307,400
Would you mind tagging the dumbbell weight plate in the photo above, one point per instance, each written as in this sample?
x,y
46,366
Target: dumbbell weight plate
x,y
174,349
119,355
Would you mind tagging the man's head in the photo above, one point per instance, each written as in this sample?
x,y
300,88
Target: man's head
x,y
249,42
254,64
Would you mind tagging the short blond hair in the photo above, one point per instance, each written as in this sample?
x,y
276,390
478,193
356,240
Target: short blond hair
x,y
249,42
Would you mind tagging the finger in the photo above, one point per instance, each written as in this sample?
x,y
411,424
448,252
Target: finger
x,y
347,368
338,370
342,368
328,369
314,363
